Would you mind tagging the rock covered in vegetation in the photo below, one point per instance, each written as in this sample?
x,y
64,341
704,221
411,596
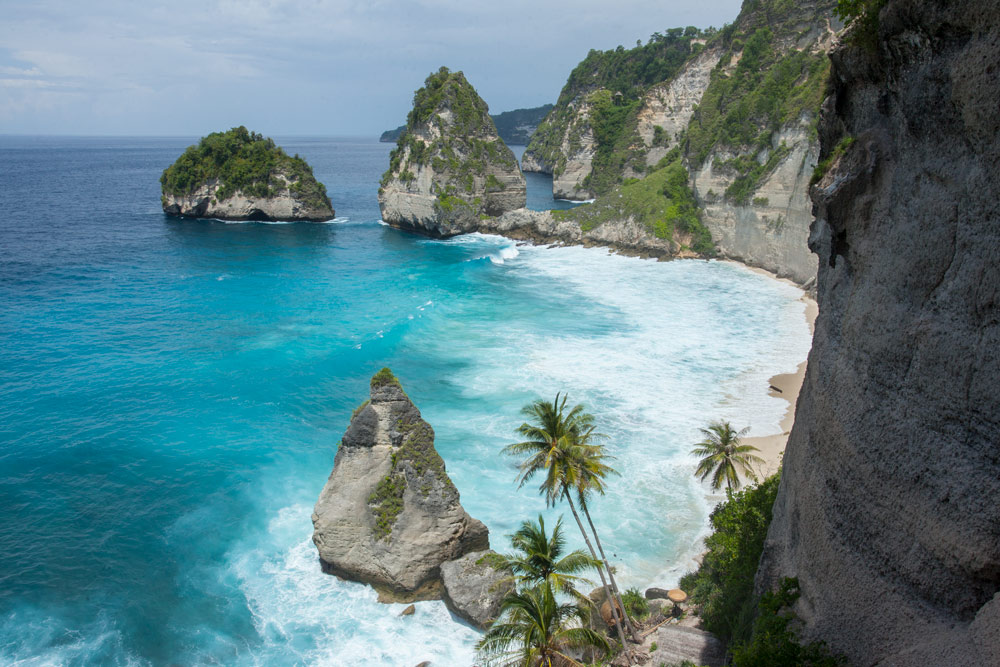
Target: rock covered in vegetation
x,y
587,140
474,589
241,175
887,510
514,127
389,515
739,104
751,145
449,167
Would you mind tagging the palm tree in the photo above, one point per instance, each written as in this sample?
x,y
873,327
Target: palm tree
x,y
534,631
558,442
722,452
591,471
540,557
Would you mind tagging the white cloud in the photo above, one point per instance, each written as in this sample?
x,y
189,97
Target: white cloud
x,y
347,66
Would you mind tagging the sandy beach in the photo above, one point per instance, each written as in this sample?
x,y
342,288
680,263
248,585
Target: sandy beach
x,y
786,386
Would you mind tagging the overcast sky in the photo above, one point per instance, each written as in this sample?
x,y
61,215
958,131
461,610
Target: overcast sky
x,y
285,67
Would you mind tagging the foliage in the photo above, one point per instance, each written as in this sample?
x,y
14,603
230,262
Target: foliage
x,y
557,441
723,584
636,604
384,377
535,629
460,154
629,72
242,161
722,452
863,15
386,502
834,155
774,643
613,123
539,558
662,202
743,111
560,443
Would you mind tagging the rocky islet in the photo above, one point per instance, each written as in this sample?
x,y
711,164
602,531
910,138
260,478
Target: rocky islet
x,y
242,175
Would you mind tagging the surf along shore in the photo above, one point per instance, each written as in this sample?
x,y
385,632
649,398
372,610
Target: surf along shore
x,y
785,385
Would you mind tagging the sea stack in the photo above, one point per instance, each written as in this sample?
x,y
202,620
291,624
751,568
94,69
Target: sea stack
x,y
449,167
241,175
389,515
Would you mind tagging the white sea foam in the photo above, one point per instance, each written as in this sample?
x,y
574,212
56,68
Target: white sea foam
x,y
655,350
333,622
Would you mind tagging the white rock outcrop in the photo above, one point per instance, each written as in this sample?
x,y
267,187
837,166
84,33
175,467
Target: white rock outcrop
x,y
389,515
204,202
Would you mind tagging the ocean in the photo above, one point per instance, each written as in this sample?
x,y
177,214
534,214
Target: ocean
x,y
172,393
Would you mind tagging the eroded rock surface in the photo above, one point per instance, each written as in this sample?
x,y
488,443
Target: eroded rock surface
x,y
389,515
449,167
473,589
242,175
887,511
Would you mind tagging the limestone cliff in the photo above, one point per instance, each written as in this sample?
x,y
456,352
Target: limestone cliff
x,y
240,175
737,107
887,511
752,145
389,515
590,138
449,167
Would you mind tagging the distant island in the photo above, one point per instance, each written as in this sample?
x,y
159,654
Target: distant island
x,y
514,127
242,175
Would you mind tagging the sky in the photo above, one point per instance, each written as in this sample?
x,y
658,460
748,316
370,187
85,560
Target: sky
x,y
296,67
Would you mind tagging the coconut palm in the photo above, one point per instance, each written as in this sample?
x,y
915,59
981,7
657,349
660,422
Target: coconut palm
x,y
540,557
590,473
559,443
534,630
722,453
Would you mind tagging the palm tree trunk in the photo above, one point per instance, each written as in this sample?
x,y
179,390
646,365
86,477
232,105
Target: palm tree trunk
x,y
607,566
604,581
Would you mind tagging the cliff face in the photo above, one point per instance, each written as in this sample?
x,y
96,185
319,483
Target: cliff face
x,y
389,515
887,511
566,143
770,231
667,108
240,175
285,204
738,107
449,167
752,144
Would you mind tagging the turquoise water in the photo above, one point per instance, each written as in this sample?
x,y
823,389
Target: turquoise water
x,y
171,393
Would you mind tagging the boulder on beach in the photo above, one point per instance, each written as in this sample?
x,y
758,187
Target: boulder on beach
x,y
473,589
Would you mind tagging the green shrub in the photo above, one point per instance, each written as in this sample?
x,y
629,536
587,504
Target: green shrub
x,y
384,377
723,584
774,643
242,161
636,605
820,170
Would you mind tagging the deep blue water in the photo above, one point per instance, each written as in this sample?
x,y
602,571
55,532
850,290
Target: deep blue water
x,y
172,391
